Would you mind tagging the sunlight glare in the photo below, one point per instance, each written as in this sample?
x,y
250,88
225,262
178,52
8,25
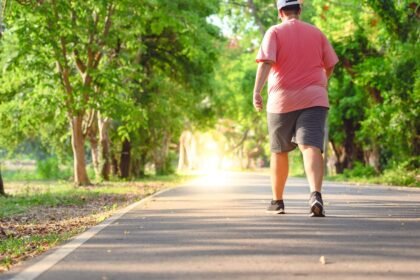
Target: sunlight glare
x,y
213,179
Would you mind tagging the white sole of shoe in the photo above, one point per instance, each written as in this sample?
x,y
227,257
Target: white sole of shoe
x,y
275,212
317,210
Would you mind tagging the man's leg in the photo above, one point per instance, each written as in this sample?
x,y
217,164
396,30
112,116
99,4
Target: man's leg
x,y
281,128
310,128
279,172
314,169
314,166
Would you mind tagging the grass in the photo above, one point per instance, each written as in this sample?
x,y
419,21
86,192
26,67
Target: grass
x,y
52,194
33,175
396,175
13,249
399,175
44,195
26,214
389,177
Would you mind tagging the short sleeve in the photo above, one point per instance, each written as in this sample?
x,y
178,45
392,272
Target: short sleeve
x,y
328,54
268,48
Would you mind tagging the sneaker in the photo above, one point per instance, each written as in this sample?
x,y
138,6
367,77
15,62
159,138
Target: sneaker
x,y
276,207
316,205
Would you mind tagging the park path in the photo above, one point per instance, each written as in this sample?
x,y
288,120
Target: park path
x,y
216,228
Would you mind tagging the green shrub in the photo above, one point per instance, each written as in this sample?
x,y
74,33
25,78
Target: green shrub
x,y
169,166
402,174
400,177
48,169
296,164
360,170
18,175
397,174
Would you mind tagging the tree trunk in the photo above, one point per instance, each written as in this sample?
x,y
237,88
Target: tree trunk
x,y
142,167
125,159
2,192
183,160
185,153
161,154
135,167
95,157
350,152
104,150
373,158
77,141
114,165
252,156
339,155
94,146
257,19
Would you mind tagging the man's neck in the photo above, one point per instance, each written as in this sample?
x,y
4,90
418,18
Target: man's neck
x,y
290,17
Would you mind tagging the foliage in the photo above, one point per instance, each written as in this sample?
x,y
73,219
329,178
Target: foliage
x,y
374,93
147,72
17,249
152,76
374,89
54,193
296,164
48,168
359,171
64,173
397,175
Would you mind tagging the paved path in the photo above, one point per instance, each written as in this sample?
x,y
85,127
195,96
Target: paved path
x,y
217,229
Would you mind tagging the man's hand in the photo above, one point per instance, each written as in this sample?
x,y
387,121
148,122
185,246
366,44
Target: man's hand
x,y
258,102
262,74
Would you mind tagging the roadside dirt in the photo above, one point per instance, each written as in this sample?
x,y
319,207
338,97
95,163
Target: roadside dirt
x,y
45,221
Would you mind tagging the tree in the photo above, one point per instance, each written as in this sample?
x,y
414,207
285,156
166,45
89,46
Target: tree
x,y
2,191
176,60
375,41
374,91
74,36
125,79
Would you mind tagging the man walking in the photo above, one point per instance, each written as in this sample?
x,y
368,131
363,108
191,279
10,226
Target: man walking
x,y
297,59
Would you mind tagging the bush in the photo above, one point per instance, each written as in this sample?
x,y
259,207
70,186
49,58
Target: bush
x,y
397,174
360,170
296,164
48,169
403,174
400,177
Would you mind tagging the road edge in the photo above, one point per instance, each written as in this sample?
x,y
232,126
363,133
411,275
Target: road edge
x,y
48,261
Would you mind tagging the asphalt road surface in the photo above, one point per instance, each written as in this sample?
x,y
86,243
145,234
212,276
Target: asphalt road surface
x,y
217,228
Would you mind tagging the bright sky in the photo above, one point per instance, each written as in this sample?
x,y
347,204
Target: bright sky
x,y
219,22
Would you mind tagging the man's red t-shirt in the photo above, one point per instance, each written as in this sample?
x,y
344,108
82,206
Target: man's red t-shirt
x,y
300,53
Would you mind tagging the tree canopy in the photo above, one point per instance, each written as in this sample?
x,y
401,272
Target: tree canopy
x,y
374,93
115,83
129,71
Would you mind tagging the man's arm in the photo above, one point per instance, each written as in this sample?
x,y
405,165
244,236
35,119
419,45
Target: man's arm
x,y
262,74
329,72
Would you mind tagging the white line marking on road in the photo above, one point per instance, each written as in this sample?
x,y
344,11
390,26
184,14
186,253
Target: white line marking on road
x,y
49,261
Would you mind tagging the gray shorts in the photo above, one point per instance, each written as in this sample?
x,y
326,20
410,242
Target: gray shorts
x,y
305,127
